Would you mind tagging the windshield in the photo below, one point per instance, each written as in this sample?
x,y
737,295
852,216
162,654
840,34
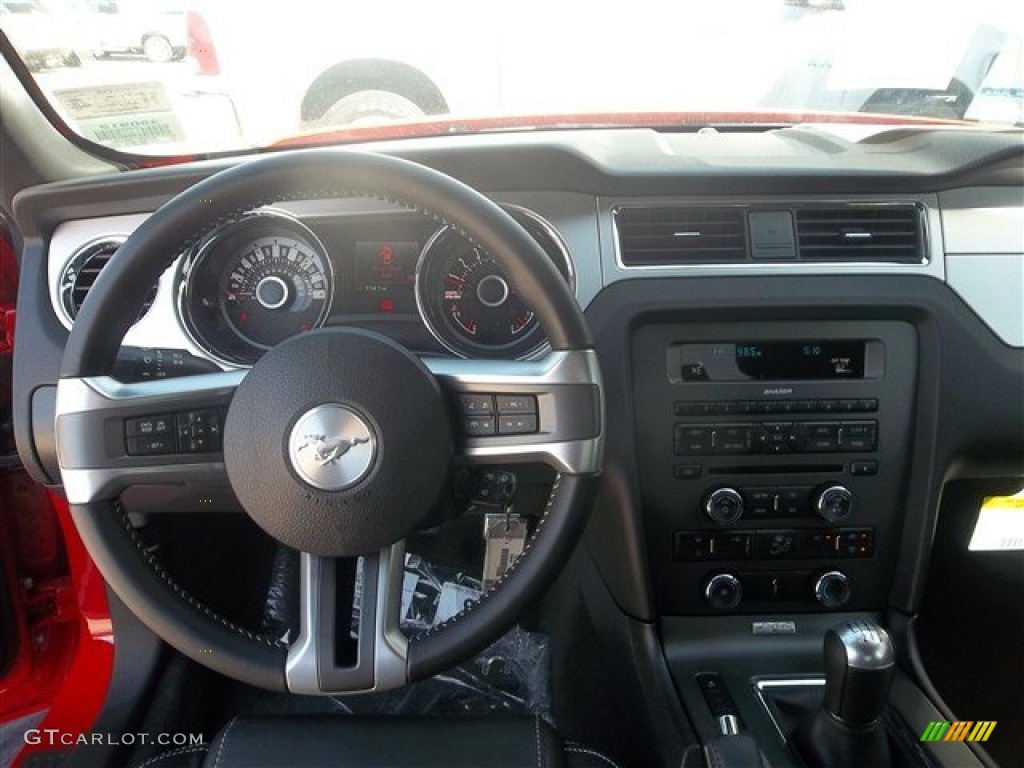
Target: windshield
x,y
173,77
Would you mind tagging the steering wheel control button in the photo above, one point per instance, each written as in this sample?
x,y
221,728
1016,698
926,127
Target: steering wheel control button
x,y
187,432
473,405
339,442
332,447
723,592
511,404
152,445
517,425
516,414
200,431
478,426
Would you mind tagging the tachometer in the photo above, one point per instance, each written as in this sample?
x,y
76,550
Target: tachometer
x,y
468,302
253,284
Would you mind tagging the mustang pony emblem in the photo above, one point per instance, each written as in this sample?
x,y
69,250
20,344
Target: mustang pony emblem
x,y
328,451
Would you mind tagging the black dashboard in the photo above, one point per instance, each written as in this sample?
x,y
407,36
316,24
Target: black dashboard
x,y
804,332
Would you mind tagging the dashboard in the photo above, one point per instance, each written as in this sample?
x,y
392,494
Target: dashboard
x,y
803,332
271,273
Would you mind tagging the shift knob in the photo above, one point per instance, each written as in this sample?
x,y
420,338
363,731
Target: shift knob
x,y
859,665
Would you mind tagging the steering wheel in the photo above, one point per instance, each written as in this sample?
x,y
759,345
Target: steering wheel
x,y
337,442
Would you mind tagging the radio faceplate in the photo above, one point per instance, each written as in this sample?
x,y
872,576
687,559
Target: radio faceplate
x,y
775,483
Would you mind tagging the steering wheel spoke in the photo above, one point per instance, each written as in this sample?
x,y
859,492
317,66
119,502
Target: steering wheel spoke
x,y
381,648
112,435
547,410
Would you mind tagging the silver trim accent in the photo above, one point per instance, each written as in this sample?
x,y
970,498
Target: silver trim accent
x,y
867,645
709,504
332,447
990,283
300,670
819,587
614,269
88,476
65,287
541,347
553,445
195,256
819,501
781,203
729,725
732,580
390,645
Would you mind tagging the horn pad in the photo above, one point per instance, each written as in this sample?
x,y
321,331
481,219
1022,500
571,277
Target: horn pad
x,y
338,442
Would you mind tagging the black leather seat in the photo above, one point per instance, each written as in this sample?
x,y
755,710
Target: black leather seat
x,y
389,742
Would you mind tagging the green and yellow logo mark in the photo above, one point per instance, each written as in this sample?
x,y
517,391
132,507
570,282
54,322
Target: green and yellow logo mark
x,y
961,730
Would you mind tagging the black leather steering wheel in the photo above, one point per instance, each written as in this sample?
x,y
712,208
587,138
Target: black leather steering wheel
x,y
405,412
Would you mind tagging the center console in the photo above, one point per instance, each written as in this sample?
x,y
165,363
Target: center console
x,y
773,460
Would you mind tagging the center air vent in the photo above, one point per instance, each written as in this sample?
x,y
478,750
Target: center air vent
x,y
890,233
81,272
670,235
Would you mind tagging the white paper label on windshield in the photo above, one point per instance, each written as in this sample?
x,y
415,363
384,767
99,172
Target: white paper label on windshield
x,y
123,115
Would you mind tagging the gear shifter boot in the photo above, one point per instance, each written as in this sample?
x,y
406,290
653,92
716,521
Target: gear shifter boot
x,y
847,732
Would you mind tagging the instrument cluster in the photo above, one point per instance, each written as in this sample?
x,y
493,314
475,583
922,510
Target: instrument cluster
x,y
268,275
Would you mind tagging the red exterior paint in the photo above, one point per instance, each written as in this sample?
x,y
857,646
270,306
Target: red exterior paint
x,y
64,654
656,120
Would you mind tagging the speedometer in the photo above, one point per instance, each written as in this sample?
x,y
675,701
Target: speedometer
x,y
274,287
468,302
253,284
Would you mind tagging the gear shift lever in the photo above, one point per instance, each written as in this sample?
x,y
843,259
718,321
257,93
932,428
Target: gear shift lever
x,y
859,666
859,663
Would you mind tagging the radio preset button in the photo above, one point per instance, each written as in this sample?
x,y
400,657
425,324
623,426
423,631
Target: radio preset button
x,y
793,502
759,502
693,440
858,435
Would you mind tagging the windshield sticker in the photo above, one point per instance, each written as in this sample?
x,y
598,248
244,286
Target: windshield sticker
x,y
128,115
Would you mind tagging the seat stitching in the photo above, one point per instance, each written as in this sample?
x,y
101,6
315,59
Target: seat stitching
x,y
536,731
172,753
571,747
223,741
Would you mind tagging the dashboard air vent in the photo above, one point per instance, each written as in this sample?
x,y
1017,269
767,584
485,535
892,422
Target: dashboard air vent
x,y
673,235
80,274
889,233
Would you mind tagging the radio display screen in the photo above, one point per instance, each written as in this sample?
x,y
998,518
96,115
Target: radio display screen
x,y
780,360
771,360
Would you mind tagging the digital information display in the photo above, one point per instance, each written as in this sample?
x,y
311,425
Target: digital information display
x,y
385,274
772,360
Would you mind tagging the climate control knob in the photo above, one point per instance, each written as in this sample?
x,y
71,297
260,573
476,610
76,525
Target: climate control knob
x,y
832,589
833,503
724,505
723,592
